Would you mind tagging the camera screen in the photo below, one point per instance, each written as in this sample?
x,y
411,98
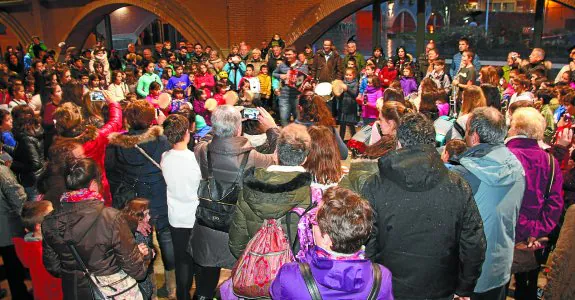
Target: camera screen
x,y
251,113
97,96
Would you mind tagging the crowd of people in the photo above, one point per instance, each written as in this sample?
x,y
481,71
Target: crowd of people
x,y
460,175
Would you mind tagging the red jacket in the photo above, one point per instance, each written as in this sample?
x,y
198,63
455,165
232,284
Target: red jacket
x,y
208,79
45,285
387,76
96,148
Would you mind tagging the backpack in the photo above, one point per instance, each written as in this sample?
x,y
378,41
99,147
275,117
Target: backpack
x,y
447,128
261,261
217,206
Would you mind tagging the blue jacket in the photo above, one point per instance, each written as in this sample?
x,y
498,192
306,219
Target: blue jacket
x,y
235,74
498,181
457,61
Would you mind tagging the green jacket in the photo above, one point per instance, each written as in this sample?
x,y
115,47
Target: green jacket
x,y
268,195
143,88
359,171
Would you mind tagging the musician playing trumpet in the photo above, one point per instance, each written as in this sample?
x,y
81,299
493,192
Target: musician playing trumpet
x,y
466,75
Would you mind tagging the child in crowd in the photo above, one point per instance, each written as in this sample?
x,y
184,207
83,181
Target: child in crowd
x,y
199,105
137,215
155,89
179,80
408,82
442,103
18,94
369,102
453,148
220,91
388,74
191,89
343,224
178,100
439,76
265,82
202,128
29,251
347,104
255,87
369,71
6,128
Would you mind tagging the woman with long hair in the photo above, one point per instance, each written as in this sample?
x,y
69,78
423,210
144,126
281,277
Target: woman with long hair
x,y
390,114
471,98
314,111
489,82
99,235
28,162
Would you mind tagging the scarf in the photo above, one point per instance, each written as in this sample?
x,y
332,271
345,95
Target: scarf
x,y
332,255
80,195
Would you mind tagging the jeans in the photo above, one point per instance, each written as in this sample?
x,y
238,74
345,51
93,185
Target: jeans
x,y
207,281
288,101
15,273
167,247
184,262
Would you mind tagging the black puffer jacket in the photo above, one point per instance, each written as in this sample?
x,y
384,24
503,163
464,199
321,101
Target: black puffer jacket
x,y
28,156
428,230
102,238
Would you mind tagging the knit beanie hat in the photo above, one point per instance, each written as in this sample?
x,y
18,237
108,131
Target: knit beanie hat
x,y
200,122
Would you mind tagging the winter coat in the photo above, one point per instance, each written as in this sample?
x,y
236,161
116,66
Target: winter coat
x,y
210,247
207,79
199,109
326,71
360,170
125,163
45,286
143,88
335,279
268,194
347,106
408,85
287,92
101,237
498,182
561,278
387,76
95,147
538,216
12,197
428,230
235,73
28,157
370,108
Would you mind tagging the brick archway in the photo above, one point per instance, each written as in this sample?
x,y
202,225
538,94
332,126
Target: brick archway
x,y
93,12
20,31
313,22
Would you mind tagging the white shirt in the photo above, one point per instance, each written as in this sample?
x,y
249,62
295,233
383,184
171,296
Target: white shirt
x,y
182,174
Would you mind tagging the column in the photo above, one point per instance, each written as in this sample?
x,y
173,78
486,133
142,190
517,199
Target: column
x,y
420,33
376,17
108,26
539,23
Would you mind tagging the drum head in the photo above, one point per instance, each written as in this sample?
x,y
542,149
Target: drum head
x,y
323,89
164,100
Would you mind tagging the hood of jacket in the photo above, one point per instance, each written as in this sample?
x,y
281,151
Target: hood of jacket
x,y
271,194
74,220
415,169
492,164
349,276
132,138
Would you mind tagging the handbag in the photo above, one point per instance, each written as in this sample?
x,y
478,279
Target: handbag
x,y
217,205
126,191
316,295
525,258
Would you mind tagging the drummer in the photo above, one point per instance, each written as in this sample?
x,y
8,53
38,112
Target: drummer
x,y
289,92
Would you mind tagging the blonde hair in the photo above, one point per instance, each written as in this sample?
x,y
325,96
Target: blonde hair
x,y
529,122
473,98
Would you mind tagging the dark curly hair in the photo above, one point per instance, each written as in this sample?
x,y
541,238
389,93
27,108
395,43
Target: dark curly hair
x,y
415,129
24,120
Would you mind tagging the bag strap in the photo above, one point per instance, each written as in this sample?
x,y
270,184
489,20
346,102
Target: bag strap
x,y
551,176
459,129
288,222
375,287
79,259
309,281
148,157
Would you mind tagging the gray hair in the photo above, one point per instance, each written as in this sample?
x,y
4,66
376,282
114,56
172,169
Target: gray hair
x,y
529,122
293,145
489,124
226,121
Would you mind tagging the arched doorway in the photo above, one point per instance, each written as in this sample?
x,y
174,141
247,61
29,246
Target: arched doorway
x,y
168,11
434,22
404,22
13,32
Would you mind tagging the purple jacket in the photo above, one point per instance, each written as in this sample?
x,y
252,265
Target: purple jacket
x,y
537,217
370,109
336,279
408,85
200,110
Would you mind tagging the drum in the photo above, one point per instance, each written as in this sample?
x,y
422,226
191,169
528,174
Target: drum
x,y
324,90
164,101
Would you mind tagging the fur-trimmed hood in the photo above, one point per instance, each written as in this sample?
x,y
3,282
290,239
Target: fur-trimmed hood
x,y
271,194
132,138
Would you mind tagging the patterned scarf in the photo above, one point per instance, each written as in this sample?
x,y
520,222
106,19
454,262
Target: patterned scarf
x,y
81,195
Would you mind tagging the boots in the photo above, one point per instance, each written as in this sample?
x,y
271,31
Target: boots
x,y
171,283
